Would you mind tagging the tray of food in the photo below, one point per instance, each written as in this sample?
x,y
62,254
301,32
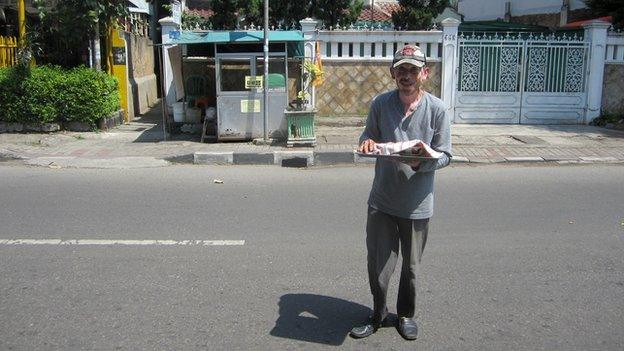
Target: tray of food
x,y
403,151
397,157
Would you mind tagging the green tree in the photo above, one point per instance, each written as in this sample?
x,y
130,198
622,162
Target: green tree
x,y
334,12
286,12
67,26
191,20
417,14
614,8
225,14
252,12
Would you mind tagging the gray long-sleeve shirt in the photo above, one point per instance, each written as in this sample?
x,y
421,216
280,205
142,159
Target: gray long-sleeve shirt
x,y
399,189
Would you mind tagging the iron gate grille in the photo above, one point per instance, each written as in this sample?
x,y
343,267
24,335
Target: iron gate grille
x,y
521,78
531,63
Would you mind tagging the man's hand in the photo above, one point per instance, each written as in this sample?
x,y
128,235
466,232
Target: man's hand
x,y
367,146
420,152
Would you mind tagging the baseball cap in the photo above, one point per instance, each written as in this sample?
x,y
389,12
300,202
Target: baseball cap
x,y
409,54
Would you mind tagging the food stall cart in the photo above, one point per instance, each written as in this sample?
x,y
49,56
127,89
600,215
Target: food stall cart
x,y
238,62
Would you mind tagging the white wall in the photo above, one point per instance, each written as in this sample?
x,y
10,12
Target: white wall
x,y
369,2
485,10
139,6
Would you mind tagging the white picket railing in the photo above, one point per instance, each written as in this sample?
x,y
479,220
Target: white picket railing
x,y
615,48
374,45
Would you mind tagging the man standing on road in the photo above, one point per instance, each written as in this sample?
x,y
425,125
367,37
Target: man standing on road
x,y
401,199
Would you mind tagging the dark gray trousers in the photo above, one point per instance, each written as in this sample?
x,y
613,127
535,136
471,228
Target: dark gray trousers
x,y
384,232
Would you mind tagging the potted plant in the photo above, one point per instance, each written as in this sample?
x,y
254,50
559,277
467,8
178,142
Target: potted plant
x,y
300,115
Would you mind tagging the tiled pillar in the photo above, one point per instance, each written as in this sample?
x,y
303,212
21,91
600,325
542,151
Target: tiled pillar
x,y
449,63
596,34
310,32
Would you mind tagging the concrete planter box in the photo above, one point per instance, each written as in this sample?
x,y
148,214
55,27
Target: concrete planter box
x,y
112,121
115,119
42,127
29,127
50,127
15,127
75,126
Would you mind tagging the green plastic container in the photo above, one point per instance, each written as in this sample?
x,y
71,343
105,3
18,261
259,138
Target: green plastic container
x,y
300,127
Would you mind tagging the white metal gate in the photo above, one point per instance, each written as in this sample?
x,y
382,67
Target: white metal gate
x,y
525,78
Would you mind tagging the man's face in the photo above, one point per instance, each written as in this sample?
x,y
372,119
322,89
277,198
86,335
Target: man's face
x,y
409,78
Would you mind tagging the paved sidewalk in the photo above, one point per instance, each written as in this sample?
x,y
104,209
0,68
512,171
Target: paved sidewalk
x,y
140,144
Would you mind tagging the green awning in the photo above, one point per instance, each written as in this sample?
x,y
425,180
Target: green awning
x,y
236,37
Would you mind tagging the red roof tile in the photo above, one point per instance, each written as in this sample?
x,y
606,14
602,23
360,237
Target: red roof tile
x,y
201,12
382,12
581,23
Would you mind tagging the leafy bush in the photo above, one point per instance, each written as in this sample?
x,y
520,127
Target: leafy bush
x,y
10,95
52,94
39,99
87,95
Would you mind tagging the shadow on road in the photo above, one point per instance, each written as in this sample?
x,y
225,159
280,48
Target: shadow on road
x,y
316,318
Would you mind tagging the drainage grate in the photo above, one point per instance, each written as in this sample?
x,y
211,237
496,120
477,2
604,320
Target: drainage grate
x,y
297,162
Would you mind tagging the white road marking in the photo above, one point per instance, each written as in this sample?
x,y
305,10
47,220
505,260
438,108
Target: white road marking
x,y
122,242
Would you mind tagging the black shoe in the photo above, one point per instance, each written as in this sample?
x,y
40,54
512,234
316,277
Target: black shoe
x,y
408,328
367,329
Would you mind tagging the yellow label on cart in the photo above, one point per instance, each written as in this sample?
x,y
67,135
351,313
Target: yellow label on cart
x,y
252,82
248,106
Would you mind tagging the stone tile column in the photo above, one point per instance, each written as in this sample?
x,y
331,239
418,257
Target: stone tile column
x,y
449,64
310,34
596,34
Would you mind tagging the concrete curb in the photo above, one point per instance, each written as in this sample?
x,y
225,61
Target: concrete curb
x,y
99,163
307,158
328,158
283,158
213,158
599,159
254,158
524,159
8,155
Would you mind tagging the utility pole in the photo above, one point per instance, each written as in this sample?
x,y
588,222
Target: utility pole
x,y
21,21
95,43
266,70
372,8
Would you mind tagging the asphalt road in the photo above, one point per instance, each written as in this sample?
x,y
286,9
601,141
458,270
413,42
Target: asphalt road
x,y
518,258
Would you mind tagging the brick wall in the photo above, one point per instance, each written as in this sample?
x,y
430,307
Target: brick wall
x,y
612,87
142,55
142,77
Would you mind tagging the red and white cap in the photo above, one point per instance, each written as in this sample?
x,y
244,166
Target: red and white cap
x,y
409,54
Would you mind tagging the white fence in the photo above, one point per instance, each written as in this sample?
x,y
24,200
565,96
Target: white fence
x,y
441,46
615,48
376,45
